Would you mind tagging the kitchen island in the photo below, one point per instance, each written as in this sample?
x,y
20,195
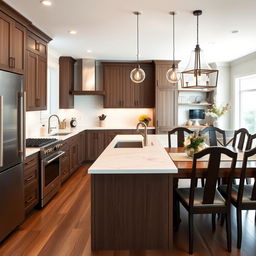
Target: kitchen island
x,y
132,200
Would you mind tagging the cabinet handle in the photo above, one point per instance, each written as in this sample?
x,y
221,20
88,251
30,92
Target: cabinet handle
x,y
37,46
11,62
30,178
30,200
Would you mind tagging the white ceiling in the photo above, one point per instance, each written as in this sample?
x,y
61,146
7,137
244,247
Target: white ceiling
x,y
107,27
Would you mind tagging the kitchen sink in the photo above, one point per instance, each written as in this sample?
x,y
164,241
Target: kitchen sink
x,y
61,134
129,144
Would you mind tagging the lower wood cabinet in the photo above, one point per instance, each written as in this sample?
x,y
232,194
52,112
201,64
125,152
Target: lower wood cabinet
x,y
65,162
31,182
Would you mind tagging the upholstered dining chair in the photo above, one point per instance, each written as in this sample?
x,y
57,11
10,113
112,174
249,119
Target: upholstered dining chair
x,y
207,199
213,133
181,132
243,196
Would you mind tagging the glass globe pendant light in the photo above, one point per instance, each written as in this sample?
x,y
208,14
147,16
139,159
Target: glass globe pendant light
x,y
173,75
137,75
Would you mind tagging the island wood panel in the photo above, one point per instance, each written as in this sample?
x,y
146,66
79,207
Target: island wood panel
x,y
132,212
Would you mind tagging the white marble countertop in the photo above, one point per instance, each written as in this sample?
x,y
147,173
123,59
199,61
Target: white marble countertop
x,y
151,159
72,132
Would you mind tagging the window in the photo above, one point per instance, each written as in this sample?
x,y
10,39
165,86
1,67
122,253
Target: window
x,y
247,103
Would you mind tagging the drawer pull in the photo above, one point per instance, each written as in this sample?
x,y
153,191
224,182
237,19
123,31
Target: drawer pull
x,y
29,200
30,178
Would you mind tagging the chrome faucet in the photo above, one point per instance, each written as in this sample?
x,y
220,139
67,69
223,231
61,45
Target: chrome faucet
x,y
49,123
145,133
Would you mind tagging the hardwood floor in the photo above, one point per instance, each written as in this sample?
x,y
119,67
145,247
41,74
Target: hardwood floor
x,y
62,228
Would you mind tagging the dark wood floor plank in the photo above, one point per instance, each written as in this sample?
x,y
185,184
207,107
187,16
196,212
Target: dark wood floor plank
x,y
63,228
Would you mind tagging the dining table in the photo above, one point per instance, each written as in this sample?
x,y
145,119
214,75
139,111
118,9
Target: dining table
x,y
184,164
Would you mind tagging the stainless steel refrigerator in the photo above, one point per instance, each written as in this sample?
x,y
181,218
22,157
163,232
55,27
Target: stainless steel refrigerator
x,y
12,151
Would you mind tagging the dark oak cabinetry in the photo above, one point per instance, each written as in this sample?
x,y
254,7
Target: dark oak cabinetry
x,y
31,182
12,46
23,50
36,73
121,92
66,99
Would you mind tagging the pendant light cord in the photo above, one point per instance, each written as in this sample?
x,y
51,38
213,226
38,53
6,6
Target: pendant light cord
x,y
138,39
197,27
173,37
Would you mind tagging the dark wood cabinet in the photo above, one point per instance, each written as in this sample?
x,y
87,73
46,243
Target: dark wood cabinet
x,y
81,147
66,82
36,45
31,182
36,81
12,46
95,144
121,92
74,155
65,162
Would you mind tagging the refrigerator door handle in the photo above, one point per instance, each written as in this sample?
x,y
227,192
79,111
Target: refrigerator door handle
x,y
1,131
22,112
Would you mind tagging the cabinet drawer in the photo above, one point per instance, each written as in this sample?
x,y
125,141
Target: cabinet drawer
x,y
30,162
31,197
30,174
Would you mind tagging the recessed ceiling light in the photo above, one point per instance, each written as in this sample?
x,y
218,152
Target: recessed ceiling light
x,y
235,31
89,51
72,32
46,2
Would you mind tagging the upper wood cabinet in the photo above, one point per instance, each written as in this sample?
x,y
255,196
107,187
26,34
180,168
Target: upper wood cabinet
x,y
12,46
166,111
36,75
121,92
66,82
36,45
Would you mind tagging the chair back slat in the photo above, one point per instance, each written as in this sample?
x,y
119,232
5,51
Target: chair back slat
x,y
240,137
213,131
247,154
180,135
212,175
250,141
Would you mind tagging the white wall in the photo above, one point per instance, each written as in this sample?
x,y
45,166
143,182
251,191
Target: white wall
x,y
244,66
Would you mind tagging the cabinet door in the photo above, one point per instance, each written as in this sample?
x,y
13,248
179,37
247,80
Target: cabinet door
x,y
36,45
65,163
74,160
81,147
113,83
31,80
166,109
95,141
5,41
41,101
18,48
128,88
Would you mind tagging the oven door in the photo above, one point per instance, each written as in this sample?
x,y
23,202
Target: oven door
x,y
50,173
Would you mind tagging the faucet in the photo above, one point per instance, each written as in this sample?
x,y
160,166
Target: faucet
x,y
145,133
49,123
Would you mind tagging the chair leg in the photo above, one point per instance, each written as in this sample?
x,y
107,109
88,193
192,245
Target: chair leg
x,y
239,227
222,219
191,231
202,182
228,230
213,222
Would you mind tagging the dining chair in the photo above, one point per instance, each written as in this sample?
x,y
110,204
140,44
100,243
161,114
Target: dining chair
x,y
251,143
241,138
243,196
208,200
180,131
213,133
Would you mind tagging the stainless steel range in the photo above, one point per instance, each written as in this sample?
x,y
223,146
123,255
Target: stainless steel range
x,y
50,176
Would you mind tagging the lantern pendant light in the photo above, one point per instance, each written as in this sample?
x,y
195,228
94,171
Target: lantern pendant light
x,y
198,74
173,75
137,75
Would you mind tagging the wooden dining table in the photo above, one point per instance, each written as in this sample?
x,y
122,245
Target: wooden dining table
x,y
185,167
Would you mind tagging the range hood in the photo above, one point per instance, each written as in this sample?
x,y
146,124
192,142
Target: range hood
x,y
85,73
